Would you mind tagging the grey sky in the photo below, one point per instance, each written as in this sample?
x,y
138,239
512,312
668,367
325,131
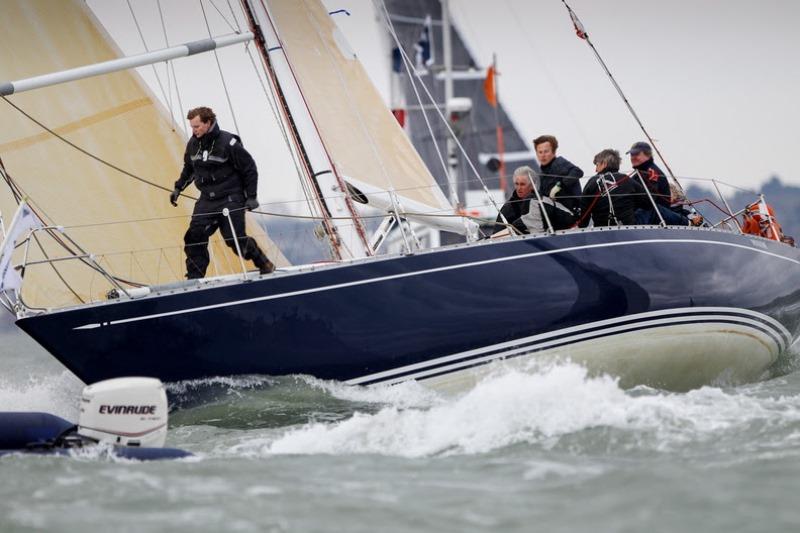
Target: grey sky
x,y
714,81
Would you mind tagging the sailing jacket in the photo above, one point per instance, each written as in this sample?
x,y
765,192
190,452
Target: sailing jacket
x,y
219,166
656,182
560,171
513,210
626,193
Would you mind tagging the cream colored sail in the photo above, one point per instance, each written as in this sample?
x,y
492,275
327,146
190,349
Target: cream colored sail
x,y
366,143
115,118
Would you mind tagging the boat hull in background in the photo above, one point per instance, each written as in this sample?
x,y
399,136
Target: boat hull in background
x,y
671,308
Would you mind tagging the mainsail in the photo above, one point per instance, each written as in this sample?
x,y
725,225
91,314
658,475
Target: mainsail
x,y
117,120
367,146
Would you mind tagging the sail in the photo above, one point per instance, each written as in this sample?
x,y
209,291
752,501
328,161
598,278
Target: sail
x,y
128,224
368,147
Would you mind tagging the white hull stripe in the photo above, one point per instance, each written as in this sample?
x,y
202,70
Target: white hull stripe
x,y
426,271
709,315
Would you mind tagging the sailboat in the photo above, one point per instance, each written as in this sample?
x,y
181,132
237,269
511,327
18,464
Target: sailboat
x,y
655,305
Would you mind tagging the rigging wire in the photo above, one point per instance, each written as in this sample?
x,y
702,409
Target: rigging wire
x,y
147,49
219,68
273,105
335,238
408,68
444,120
287,126
214,5
365,131
580,30
171,68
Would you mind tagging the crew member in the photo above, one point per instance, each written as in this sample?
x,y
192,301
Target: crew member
x,y
610,197
657,183
519,205
226,176
560,182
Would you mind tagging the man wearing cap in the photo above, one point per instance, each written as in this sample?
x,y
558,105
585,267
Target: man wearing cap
x,y
656,181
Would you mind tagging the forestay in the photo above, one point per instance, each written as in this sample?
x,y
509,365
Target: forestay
x,y
113,117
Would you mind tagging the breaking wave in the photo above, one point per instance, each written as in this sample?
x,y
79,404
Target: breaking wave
x,y
551,407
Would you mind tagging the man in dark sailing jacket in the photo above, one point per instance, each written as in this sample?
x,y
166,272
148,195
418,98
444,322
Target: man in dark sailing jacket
x,y
560,182
522,209
657,183
226,176
611,198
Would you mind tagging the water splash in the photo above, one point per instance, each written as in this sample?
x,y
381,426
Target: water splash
x,y
548,407
58,394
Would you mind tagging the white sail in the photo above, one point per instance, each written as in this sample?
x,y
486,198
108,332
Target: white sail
x,y
361,136
114,118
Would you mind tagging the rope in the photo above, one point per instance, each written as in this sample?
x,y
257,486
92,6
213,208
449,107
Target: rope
x,y
86,152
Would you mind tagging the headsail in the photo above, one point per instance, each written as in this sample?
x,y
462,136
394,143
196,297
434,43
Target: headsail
x,y
368,147
113,117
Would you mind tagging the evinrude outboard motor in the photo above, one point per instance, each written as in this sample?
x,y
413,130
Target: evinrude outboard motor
x,y
125,411
128,413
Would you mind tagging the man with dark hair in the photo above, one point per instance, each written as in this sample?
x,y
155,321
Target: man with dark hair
x,y
610,197
560,182
227,178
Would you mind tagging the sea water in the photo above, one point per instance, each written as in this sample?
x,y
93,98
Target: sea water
x,y
548,449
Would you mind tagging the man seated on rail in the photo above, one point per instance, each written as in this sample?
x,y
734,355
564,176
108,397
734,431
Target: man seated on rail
x,y
652,177
610,198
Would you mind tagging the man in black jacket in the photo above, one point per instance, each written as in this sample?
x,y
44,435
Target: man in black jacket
x,y
560,182
522,209
611,198
227,178
657,183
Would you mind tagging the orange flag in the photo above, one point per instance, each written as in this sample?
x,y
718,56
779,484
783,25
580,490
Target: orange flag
x,y
489,88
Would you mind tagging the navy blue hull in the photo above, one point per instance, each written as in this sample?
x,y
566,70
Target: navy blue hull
x,y
367,318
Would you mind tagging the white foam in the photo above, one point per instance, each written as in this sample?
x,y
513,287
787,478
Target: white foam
x,y
540,406
58,394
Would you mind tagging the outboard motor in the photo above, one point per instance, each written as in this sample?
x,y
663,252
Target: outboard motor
x,y
128,413
125,411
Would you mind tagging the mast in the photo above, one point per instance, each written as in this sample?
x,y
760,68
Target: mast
x,y
339,216
447,52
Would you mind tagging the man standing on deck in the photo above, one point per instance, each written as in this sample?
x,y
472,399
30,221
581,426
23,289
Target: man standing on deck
x,y
226,176
560,181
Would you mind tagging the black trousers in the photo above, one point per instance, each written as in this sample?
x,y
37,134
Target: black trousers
x,y
207,217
